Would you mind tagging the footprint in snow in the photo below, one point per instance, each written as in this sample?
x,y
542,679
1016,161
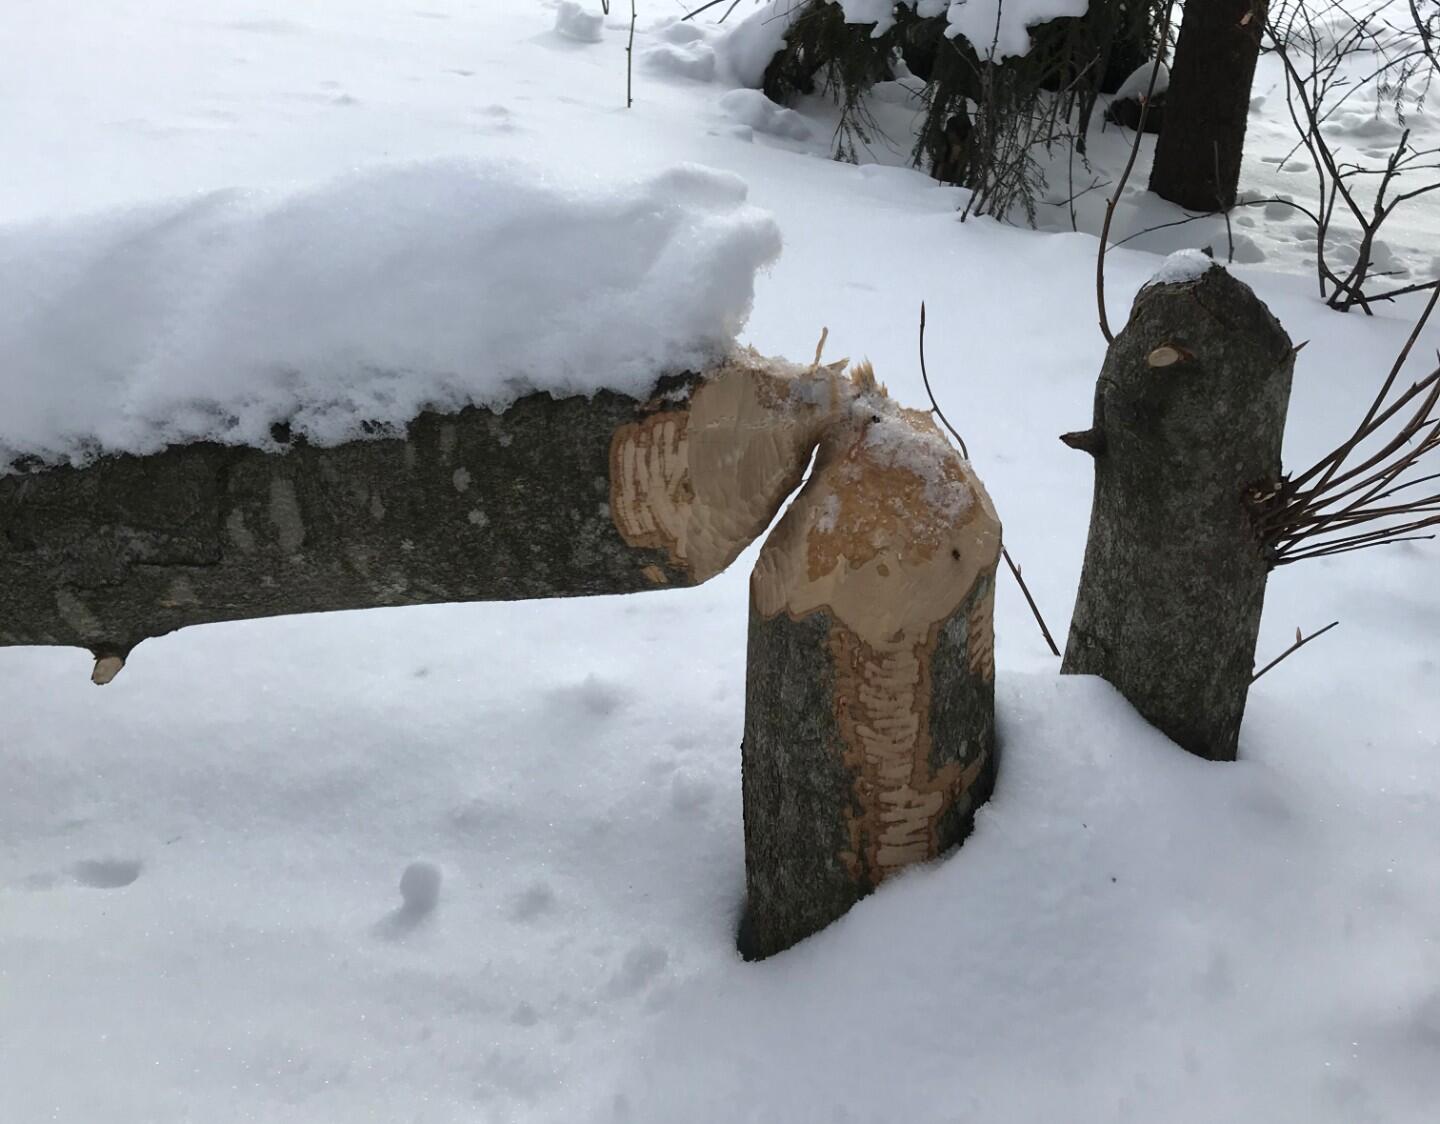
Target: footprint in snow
x,y
592,695
419,895
690,791
641,965
536,899
106,874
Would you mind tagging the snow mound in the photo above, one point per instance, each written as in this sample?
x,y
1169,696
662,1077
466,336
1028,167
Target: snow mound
x,y
746,50
361,302
879,12
1000,29
1137,83
754,109
1182,266
693,61
574,22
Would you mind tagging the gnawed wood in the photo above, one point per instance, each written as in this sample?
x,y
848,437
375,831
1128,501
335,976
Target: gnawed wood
x,y
700,480
869,716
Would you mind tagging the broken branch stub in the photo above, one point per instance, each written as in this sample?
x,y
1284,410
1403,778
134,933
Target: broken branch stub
x,y
1170,596
869,704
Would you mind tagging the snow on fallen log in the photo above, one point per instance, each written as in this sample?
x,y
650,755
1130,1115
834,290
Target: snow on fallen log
x,y
348,309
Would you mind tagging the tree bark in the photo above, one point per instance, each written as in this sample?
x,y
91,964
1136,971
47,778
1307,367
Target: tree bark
x,y
547,498
869,706
1189,415
1197,157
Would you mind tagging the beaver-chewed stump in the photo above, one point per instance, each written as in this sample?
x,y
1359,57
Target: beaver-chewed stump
x,y
869,704
869,726
1189,415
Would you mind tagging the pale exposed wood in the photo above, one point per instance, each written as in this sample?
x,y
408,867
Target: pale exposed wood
x,y
700,480
869,711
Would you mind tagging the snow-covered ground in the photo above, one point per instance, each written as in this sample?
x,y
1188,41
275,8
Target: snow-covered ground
x,y
200,913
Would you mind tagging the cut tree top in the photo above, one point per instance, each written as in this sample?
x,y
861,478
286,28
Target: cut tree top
x,y
361,303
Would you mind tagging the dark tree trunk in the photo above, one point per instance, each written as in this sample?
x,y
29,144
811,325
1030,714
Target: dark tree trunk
x,y
869,704
1189,414
1197,158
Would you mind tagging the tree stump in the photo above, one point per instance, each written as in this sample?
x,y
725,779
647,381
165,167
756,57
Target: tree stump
x,y
869,704
1189,415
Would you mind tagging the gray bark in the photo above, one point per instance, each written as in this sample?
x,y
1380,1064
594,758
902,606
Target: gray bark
x,y
472,506
1189,415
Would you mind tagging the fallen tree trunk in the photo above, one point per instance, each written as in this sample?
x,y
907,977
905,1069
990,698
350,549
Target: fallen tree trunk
x,y
869,705
548,498
869,720
1189,415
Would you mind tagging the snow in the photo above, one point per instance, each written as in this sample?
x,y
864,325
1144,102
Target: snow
x,y
879,12
199,913
1137,83
1000,29
363,300
695,62
573,21
754,110
1182,266
894,443
746,48
997,29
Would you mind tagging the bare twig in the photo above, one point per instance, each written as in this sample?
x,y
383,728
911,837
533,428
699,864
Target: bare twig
x,y
1034,608
1300,642
630,59
1329,463
1346,501
934,405
1004,552
1313,48
690,15
1229,230
1125,176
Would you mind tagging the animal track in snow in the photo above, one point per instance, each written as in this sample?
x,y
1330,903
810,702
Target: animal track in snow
x,y
592,695
641,965
107,874
536,899
419,895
